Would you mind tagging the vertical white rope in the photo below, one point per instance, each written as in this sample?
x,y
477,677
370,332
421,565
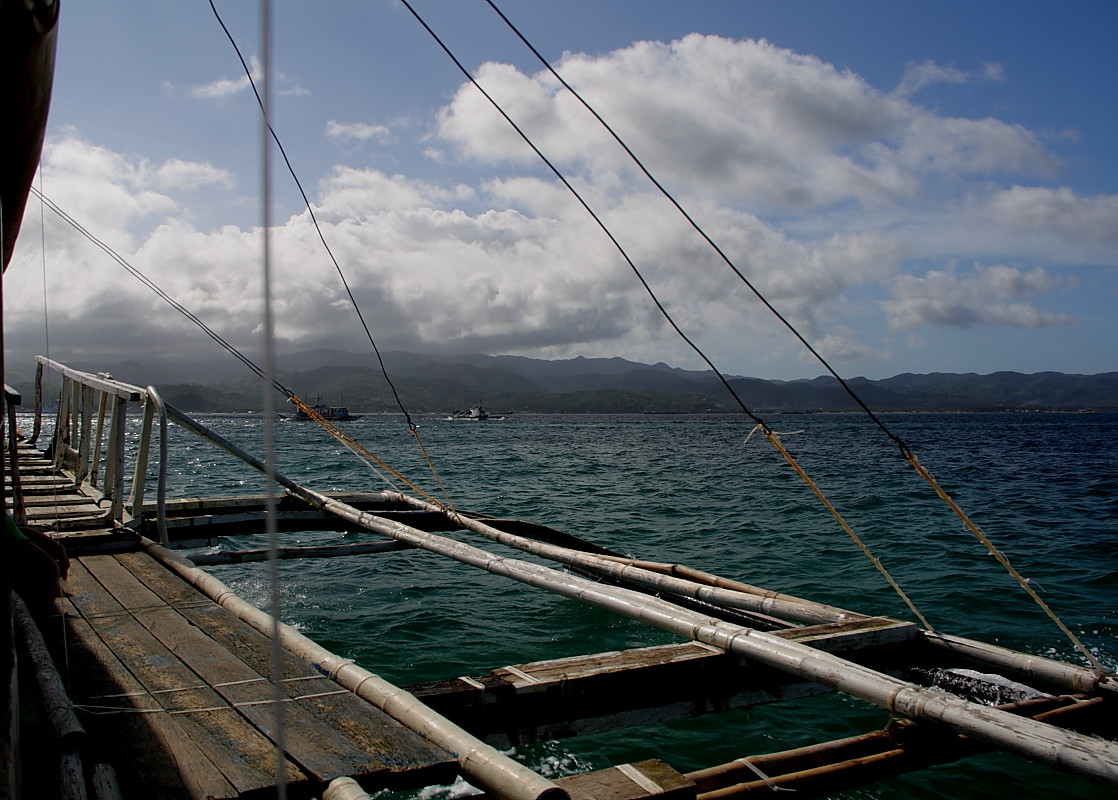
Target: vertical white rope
x,y
43,250
268,404
46,317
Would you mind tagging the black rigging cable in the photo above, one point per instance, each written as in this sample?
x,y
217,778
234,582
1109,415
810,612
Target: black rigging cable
x,y
698,229
149,283
906,453
314,219
593,215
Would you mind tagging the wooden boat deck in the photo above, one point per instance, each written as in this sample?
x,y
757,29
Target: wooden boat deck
x,y
176,692
182,687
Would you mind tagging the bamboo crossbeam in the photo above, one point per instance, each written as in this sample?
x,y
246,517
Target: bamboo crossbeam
x,y
636,572
1058,748
827,767
56,702
104,783
1028,667
1063,749
1052,746
709,579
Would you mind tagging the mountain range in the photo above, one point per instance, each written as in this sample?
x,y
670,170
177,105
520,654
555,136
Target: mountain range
x,y
428,383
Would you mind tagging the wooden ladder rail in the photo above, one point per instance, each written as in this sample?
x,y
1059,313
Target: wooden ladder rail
x,y
81,443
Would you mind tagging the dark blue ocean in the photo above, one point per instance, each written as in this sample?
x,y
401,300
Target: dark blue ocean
x,y
689,489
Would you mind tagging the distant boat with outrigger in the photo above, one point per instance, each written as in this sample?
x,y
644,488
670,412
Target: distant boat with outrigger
x,y
330,413
474,414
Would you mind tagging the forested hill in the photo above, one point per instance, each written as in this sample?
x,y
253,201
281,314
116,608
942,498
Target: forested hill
x,y
602,385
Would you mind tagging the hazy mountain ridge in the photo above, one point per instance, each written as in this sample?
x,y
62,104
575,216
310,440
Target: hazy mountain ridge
x,y
428,383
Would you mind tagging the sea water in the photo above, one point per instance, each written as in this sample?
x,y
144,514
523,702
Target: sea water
x,y
691,489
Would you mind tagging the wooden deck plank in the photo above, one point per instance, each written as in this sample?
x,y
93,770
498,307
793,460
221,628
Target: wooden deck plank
x,y
39,481
244,755
319,749
159,757
64,499
395,756
63,511
644,779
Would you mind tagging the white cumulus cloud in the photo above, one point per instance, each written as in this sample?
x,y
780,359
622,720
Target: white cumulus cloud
x,y
357,131
746,119
178,174
829,195
988,295
926,73
1060,211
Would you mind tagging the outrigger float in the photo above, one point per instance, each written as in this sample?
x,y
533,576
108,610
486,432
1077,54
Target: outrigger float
x,y
169,670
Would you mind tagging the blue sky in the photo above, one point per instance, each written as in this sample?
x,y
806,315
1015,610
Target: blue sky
x,y
918,187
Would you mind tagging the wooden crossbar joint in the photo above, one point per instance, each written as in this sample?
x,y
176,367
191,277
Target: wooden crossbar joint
x,y
652,778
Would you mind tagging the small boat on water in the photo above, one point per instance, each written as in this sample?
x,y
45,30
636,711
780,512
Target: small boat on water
x,y
331,413
474,413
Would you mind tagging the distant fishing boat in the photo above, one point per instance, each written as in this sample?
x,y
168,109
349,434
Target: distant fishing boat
x,y
474,413
331,413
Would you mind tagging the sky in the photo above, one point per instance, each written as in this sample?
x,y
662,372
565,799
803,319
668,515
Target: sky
x,y
915,187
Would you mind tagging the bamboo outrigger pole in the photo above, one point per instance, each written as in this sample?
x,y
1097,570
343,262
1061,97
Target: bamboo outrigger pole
x,y
1074,752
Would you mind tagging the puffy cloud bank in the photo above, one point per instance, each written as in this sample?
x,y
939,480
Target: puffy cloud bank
x,y
847,206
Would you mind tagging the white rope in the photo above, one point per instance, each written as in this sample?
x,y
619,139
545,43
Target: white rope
x,y
768,781
268,406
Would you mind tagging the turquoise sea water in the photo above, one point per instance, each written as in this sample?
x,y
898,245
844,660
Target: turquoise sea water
x,y
688,489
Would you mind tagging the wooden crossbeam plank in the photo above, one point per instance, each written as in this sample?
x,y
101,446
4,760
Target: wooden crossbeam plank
x,y
192,505
244,756
44,480
606,691
643,779
390,755
853,634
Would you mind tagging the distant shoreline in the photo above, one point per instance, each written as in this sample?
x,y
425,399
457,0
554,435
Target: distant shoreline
x,y
515,385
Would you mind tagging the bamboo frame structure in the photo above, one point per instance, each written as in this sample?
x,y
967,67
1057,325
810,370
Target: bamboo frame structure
x,y
1043,743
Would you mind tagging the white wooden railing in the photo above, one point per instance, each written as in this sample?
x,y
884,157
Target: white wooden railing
x,y
88,443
